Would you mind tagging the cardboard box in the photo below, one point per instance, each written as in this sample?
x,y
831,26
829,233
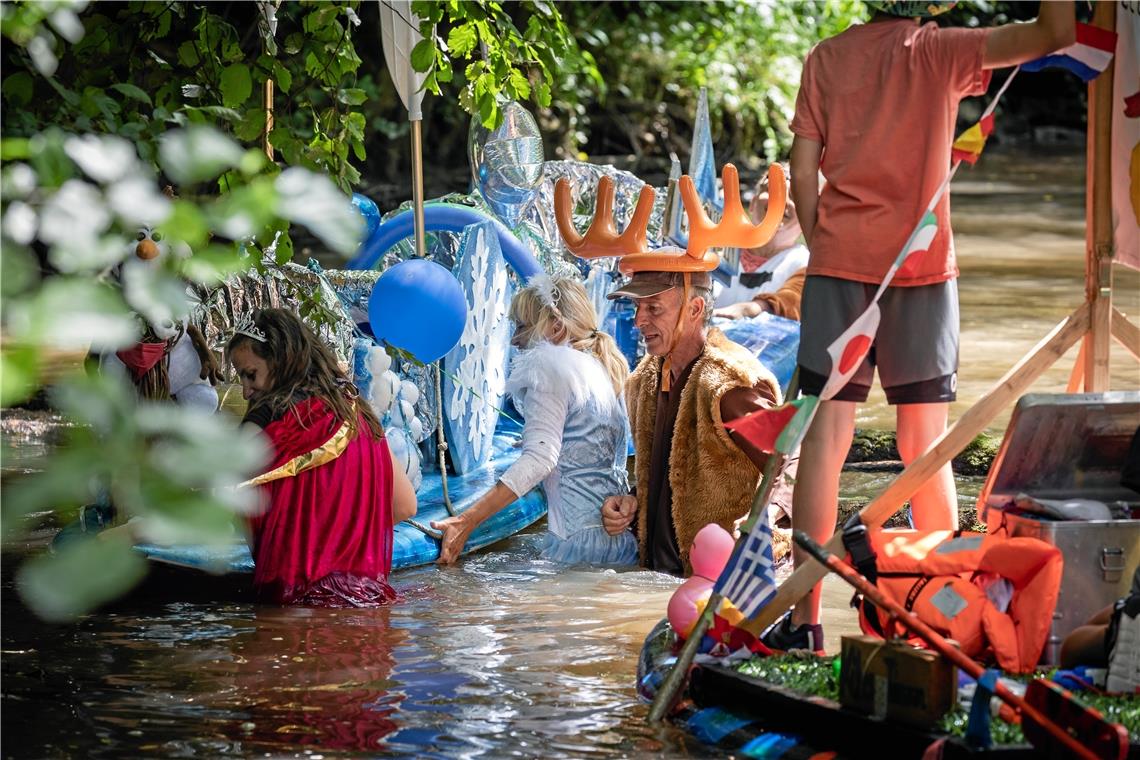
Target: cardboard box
x,y
895,681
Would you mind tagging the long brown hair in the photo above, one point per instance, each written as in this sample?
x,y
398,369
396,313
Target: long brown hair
x,y
300,364
570,319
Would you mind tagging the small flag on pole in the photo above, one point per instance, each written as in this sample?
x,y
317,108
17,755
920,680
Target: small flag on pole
x,y
970,143
749,580
850,349
1087,57
763,427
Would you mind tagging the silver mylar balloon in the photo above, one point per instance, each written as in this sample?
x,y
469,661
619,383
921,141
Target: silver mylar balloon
x,y
506,162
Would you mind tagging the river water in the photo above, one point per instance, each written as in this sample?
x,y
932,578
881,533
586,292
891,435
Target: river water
x,y
502,655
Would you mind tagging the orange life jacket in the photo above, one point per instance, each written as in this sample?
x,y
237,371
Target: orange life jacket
x,y
942,577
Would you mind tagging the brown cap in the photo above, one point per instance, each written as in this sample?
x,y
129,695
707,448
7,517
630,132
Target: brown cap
x,y
646,284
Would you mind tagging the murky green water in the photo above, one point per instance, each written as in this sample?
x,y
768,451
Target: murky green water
x,y
503,655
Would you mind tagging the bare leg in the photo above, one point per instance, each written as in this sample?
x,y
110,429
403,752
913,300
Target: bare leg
x,y
934,506
815,500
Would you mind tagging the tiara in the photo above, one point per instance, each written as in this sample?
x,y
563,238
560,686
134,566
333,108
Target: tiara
x,y
246,326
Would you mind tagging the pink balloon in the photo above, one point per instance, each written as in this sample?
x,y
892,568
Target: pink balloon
x,y
683,610
711,550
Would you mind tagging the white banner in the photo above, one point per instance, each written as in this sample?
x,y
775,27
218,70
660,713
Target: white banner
x,y
1126,137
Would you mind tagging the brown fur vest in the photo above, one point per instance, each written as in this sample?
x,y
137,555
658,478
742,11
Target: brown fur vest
x,y
711,478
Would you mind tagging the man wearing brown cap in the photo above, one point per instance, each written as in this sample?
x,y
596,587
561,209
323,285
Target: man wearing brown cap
x,y
690,471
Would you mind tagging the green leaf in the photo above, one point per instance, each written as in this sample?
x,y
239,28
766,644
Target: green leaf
x,y
520,84
188,55
19,371
351,96
84,574
187,224
73,313
461,40
197,154
423,55
236,84
131,91
283,76
18,88
211,265
488,111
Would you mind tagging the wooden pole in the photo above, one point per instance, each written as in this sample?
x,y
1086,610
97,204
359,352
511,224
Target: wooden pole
x,y
1051,348
1099,246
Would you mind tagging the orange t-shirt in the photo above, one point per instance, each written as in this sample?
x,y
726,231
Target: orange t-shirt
x,y
882,99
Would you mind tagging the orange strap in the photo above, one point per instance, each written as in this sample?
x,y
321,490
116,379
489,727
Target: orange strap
x,y
667,365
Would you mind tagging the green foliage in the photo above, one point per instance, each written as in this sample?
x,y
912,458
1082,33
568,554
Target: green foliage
x,y
504,61
655,56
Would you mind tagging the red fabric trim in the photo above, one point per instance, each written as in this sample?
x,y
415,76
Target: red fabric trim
x,y
141,357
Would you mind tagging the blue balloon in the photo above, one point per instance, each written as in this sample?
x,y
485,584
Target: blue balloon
x,y
446,217
419,307
368,209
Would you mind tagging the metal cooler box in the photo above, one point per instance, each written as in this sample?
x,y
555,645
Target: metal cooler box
x,y
1068,446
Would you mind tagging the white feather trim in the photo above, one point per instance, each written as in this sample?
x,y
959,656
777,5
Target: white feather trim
x,y
543,285
578,376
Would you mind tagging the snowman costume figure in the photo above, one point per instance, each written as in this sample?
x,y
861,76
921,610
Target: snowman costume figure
x,y
172,360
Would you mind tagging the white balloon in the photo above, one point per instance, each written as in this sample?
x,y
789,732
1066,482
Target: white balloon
x,y
416,429
409,392
378,361
407,413
384,389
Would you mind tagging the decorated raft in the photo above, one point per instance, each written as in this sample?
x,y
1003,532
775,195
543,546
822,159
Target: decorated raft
x,y
741,708
411,546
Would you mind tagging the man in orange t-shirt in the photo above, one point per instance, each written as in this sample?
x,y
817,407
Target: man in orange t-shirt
x,y
875,114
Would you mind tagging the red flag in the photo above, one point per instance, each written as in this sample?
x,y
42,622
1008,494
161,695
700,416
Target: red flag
x,y
762,428
969,145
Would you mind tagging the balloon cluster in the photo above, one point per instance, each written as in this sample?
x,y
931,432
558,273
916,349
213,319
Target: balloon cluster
x,y
394,401
710,554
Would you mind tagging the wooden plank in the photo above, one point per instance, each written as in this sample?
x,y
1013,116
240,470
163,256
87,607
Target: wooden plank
x,y
1007,390
1098,216
1126,333
1077,376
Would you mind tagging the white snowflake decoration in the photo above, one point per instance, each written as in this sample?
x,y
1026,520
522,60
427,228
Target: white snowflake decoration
x,y
482,349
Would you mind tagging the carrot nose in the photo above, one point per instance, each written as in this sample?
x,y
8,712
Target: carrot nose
x,y
147,249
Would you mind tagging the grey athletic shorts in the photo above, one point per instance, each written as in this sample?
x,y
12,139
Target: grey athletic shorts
x,y
915,348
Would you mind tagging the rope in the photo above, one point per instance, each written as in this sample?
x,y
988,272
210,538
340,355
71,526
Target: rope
x,y
441,441
429,532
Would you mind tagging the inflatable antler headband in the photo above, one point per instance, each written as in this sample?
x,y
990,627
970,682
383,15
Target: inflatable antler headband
x,y
734,230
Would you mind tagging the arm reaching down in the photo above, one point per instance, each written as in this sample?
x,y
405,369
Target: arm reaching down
x,y
545,414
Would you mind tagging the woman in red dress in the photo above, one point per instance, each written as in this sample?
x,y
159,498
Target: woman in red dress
x,y
332,491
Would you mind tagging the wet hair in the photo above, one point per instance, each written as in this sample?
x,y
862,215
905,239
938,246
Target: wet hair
x,y
301,365
570,319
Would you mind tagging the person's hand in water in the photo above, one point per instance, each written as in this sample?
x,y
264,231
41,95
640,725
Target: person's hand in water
x,y
617,513
456,530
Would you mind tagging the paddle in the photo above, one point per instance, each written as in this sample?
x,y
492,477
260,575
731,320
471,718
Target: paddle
x,y
1085,733
399,35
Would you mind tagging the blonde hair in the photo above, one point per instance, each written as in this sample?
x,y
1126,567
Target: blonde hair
x,y
559,308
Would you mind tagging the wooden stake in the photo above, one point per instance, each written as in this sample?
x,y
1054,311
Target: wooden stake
x,y
1099,243
1051,348
1077,376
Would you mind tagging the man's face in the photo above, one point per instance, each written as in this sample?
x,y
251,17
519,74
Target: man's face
x,y
656,319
